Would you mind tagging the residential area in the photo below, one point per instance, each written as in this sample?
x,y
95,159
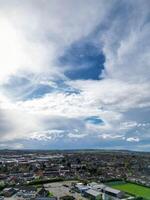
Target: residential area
x,y
74,174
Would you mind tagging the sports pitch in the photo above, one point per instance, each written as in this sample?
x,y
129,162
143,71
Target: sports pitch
x,y
133,189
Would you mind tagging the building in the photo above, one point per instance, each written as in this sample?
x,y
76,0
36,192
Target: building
x,y
93,194
27,193
8,192
46,198
113,194
107,192
81,188
97,191
98,187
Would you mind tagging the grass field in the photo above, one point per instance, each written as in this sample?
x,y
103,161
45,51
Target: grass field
x,y
134,189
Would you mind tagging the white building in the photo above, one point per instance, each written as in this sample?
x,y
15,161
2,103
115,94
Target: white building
x,y
100,191
81,188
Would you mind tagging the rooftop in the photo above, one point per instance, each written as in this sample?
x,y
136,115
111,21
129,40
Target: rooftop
x,y
93,192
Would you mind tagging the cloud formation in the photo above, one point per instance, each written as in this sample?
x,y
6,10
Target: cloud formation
x,y
74,75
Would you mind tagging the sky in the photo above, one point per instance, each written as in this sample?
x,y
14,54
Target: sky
x,y
75,74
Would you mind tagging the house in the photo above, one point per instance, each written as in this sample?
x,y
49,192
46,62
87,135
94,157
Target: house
x,y
27,192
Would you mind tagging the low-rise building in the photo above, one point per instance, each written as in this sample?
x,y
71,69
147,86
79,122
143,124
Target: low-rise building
x,y
81,187
93,194
113,194
46,198
96,191
8,192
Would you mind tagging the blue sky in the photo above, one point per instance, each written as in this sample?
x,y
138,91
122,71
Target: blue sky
x,y
75,74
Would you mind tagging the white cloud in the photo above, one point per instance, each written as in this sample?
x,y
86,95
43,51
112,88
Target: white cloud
x,y
20,55
110,137
47,135
33,34
127,49
97,99
77,136
132,139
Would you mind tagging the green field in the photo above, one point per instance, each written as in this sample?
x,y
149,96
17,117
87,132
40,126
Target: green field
x,y
133,189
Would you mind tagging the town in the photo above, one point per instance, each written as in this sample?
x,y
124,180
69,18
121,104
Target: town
x,y
81,174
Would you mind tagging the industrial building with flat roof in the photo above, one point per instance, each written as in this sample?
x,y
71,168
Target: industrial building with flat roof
x,y
96,191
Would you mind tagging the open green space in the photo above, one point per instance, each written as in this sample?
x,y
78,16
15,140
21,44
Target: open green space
x,y
133,189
